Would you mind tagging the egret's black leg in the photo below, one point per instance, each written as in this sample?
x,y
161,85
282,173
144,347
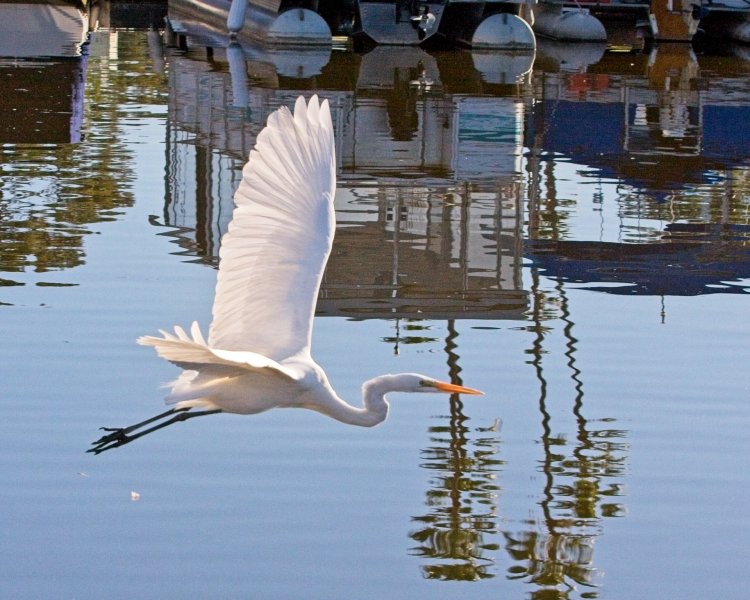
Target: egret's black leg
x,y
119,436
118,431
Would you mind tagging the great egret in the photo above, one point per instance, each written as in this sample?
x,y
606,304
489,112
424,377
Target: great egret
x,y
272,259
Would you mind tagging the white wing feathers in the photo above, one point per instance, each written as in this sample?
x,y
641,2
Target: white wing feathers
x,y
193,353
275,251
277,245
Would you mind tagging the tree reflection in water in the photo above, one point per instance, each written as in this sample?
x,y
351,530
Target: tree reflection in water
x,y
556,552
52,194
582,473
463,496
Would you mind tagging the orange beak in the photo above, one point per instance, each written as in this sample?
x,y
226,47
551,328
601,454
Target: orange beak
x,y
452,388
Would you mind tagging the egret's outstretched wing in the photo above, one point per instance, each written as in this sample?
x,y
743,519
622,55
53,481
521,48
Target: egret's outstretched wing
x,y
275,251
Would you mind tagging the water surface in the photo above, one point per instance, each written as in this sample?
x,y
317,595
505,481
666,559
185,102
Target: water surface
x,y
572,239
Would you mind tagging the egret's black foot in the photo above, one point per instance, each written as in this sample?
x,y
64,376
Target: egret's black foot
x,y
116,434
119,436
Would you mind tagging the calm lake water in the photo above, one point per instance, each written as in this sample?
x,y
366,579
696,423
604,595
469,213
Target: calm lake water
x,y
572,239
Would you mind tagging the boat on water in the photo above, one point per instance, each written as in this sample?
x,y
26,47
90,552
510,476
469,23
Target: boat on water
x,y
258,21
477,24
498,24
403,22
657,20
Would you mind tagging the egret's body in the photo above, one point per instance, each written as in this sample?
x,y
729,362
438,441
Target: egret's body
x,y
272,259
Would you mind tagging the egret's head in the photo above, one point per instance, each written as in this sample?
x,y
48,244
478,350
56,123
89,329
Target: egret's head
x,y
415,382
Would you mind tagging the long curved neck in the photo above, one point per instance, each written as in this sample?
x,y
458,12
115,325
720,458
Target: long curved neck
x,y
374,410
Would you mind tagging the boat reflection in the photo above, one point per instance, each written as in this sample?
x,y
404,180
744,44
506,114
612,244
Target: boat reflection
x,y
44,53
554,56
677,148
431,171
660,126
43,72
431,178
689,262
55,183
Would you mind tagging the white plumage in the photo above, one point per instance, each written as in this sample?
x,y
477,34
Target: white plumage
x,y
272,259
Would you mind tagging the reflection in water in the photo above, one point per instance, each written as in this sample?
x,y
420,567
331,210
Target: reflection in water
x,y
670,268
43,70
453,240
425,253
435,223
43,100
678,151
582,471
465,153
401,104
431,219
581,476
51,194
660,126
455,536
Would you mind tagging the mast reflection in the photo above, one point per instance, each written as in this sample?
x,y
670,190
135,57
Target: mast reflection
x,y
582,466
455,538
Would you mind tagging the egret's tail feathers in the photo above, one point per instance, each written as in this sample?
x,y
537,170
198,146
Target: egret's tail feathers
x,y
180,348
193,353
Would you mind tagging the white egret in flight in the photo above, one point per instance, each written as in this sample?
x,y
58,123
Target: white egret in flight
x,y
272,259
